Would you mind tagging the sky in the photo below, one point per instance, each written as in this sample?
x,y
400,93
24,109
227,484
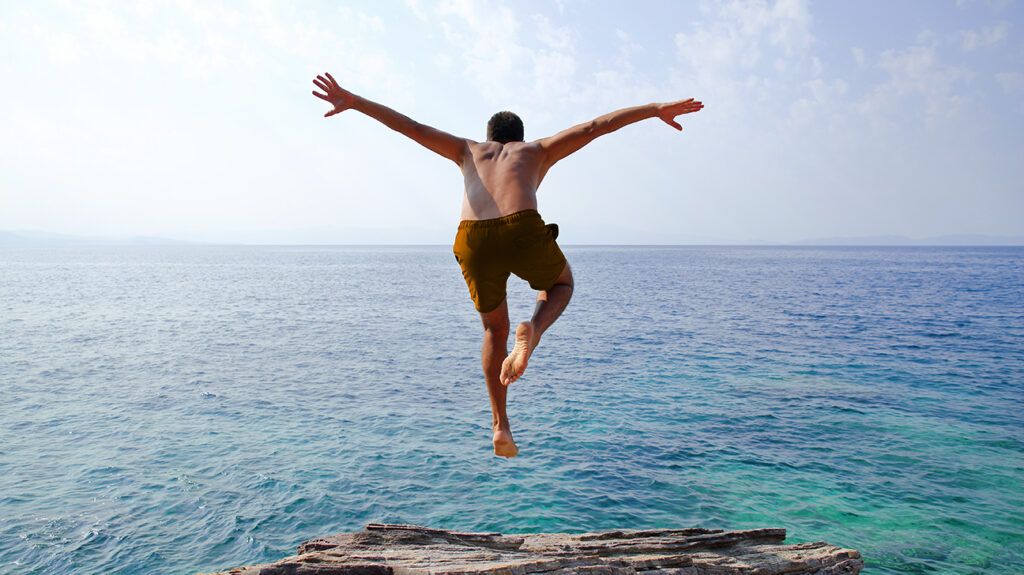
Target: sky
x,y
194,119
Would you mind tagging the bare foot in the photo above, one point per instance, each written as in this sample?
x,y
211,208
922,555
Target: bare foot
x,y
515,364
503,443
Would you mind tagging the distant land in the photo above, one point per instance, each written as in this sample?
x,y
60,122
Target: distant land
x,y
22,238
340,236
947,240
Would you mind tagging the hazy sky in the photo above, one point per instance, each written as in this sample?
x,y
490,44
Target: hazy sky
x,y
195,119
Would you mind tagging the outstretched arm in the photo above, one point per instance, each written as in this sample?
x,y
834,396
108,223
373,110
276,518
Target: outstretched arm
x,y
568,141
435,140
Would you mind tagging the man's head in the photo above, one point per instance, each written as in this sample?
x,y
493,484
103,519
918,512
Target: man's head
x,y
504,127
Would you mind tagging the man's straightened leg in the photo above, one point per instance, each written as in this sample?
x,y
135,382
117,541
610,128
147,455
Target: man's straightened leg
x,y
493,354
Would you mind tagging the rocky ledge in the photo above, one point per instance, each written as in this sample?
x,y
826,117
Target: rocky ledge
x,y
413,550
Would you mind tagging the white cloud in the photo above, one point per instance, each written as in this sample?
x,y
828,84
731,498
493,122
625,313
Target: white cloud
x,y
554,37
821,106
858,57
749,53
199,41
915,74
1011,82
789,22
627,49
740,32
489,38
416,7
985,37
996,5
202,39
507,67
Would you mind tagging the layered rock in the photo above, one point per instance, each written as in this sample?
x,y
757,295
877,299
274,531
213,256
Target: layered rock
x,y
413,550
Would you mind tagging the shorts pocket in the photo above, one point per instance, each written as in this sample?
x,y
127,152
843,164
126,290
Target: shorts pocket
x,y
532,239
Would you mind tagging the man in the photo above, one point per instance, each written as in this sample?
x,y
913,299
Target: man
x,y
501,232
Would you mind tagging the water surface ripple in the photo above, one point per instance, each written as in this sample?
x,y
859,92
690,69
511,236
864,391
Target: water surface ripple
x,y
171,410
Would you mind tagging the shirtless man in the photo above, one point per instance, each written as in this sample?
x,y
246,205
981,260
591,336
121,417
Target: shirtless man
x,y
501,232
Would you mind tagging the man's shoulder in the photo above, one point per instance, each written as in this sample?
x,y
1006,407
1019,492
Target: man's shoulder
x,y
523,148
530,146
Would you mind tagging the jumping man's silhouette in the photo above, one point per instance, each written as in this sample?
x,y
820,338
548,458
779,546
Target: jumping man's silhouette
x,y
501,232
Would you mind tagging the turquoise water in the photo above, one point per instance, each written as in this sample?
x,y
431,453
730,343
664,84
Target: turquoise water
x,y
172,410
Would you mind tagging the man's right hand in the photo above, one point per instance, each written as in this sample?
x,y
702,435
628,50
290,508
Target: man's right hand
x,y
341,98
668,111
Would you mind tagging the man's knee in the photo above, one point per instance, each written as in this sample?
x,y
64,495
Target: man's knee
x,y
495,322
565,278
498,329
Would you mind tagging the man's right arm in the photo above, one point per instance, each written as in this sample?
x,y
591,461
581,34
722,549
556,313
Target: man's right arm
x,y
442,143
568,141
435,140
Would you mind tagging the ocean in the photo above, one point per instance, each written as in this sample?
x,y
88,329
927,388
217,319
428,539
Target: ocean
x,y
184,409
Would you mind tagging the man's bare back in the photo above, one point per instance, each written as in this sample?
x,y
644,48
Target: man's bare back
x,y
500,179
501,231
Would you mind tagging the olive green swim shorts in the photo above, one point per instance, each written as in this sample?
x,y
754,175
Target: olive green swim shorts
x,y
520,243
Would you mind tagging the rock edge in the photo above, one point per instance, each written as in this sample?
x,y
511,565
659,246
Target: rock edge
x,y
389,549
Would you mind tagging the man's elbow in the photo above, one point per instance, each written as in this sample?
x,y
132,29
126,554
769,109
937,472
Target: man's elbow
x,y
414,130
598,128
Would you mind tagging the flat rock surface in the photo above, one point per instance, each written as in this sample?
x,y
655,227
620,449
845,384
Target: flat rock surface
x,y
381,549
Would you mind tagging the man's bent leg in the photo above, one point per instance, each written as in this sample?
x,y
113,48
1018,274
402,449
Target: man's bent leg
x,y
550,304
494,351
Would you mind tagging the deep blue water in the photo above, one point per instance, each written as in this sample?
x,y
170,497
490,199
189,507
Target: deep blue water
x,y
173,410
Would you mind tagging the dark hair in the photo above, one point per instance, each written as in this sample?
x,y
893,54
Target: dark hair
x,y
505,127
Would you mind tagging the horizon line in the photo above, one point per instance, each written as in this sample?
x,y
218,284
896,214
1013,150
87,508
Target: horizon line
x,y
797,244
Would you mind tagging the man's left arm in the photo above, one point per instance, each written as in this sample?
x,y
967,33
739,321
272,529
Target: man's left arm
x,y
442,143
573,139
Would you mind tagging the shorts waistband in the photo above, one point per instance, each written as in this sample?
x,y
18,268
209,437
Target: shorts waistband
x,y
499,221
